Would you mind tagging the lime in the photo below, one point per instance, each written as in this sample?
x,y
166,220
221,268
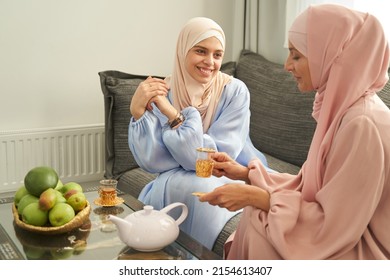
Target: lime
x,y
39,179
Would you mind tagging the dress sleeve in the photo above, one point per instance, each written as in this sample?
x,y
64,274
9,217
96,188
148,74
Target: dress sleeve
x,y
332,224
227,133
145,142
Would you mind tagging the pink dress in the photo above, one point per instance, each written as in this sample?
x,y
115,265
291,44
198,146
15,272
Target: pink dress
x,y
350,216
338,206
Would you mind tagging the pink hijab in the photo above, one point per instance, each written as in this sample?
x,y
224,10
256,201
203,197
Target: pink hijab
x,y
185,90
348,58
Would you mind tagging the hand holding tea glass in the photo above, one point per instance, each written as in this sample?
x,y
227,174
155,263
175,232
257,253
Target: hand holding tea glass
x,y
224,165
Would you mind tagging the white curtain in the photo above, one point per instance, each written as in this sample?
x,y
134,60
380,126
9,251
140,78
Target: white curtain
x,y
267,22
264,24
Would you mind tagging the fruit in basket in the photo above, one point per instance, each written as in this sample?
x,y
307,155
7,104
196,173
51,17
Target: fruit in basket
x,y
39,179
26,200
71,186
78,201
33,215
60,197
20,192
70,193
61,214
47,199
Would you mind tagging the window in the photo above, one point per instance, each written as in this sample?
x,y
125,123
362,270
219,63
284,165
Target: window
x,y
378,8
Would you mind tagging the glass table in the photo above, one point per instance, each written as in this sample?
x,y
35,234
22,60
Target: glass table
x,y
96,239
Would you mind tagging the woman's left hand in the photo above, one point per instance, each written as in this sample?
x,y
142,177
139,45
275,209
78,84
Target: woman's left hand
x,y
230,196
164,106
236,196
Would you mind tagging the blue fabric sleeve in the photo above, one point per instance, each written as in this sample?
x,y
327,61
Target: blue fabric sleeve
x,y
146,144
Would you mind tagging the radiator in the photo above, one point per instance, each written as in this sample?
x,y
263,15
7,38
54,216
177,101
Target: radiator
x,y
76,153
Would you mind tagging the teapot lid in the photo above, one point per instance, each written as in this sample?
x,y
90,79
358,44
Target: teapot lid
x,y
149,212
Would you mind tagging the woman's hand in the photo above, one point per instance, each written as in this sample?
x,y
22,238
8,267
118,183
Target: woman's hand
x,y
224,165
147,90
164,106
237,196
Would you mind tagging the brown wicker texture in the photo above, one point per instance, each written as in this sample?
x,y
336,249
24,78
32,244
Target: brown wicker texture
x,y
76,222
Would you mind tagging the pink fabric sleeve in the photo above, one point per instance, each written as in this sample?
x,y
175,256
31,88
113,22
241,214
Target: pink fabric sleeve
x,y
334,223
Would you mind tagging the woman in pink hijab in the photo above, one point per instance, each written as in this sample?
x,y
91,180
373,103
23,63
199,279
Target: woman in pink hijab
x,y
338,206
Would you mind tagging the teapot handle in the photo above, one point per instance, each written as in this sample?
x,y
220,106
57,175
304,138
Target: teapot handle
x,y
184,211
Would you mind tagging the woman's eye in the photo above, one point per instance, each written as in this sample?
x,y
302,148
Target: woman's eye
x,y
218,55
200,51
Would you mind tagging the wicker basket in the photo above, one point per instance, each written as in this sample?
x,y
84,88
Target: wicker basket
x,y
76,222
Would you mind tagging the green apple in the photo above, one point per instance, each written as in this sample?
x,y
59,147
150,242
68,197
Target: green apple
x,y
78,201
47,199
20,192
34,215
26,200
70,193
71,186
61,214
60,197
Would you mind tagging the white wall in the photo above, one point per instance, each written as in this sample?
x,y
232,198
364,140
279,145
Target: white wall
x,y
51,52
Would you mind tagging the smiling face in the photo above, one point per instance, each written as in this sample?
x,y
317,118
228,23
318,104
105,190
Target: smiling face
x,y
298,65
204,60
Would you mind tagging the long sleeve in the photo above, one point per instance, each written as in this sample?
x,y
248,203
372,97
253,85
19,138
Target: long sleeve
x,y
146,145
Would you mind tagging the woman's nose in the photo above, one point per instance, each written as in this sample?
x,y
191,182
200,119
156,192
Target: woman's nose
x,y
208,60
288,66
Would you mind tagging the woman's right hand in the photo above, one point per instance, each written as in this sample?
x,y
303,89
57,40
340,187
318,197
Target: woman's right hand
x,y
145,91
224,165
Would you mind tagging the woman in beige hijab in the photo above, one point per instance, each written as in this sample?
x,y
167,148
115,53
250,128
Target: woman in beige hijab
x,y
197,106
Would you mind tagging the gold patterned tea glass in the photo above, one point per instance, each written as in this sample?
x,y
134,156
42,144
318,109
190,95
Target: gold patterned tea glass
x,y
107,191
204,163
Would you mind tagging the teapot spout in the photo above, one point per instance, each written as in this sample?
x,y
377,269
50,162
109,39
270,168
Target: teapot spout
x,y
122,225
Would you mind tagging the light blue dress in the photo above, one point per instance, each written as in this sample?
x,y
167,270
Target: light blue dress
x,y
172,154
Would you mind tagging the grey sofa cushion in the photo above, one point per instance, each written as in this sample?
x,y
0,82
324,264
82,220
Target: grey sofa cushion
x,y
118,89
281,122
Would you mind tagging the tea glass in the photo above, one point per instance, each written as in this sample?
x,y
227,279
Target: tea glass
x,y
204,162
108,192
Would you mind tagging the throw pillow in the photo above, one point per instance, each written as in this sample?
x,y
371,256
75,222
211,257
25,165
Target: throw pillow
x,y
118,89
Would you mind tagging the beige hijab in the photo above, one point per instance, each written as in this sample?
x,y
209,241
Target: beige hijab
x,y
185,90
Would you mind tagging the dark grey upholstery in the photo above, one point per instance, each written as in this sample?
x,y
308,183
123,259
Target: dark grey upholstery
x,y
281,123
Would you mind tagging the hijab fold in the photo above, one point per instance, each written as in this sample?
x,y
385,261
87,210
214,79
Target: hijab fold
x,y
186,91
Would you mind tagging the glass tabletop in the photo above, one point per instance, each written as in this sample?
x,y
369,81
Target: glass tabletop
x,y
96,239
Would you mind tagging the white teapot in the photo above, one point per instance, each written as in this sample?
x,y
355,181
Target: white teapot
x,y
150,230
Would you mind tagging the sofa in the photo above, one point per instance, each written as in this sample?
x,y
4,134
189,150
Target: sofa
x,y
281,123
